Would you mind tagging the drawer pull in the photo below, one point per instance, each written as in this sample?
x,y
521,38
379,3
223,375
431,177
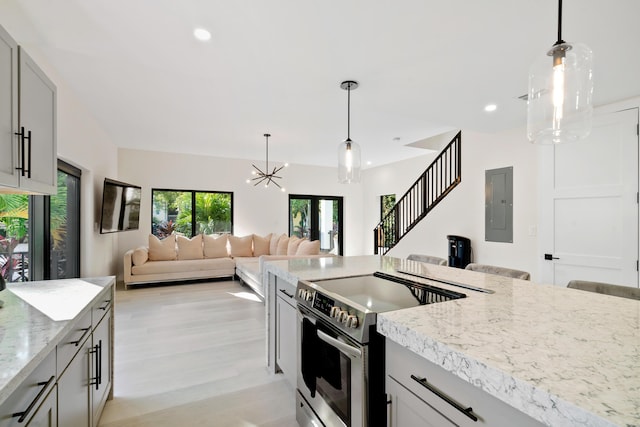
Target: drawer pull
x,y
23,415
77,343
286,293
105,306
467,411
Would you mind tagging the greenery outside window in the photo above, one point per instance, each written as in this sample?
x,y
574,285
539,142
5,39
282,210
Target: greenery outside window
x,y
189,212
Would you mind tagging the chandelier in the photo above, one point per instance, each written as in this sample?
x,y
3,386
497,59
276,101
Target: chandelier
x,y
266,177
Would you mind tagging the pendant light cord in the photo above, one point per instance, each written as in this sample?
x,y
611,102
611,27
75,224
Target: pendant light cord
x,y
349,112
560,41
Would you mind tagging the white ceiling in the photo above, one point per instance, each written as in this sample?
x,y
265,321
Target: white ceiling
x,y
424,67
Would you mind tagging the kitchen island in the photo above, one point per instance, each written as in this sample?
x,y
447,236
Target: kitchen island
x,y
561,356
43,325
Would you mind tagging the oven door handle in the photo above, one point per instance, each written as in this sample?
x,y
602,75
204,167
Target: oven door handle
x,y
343,347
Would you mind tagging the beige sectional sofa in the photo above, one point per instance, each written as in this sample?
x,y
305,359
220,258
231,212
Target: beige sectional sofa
x,y
177,258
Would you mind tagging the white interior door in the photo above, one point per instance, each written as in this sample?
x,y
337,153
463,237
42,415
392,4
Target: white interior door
x,y
589,205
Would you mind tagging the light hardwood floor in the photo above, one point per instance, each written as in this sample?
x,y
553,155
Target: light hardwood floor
x,y
194,355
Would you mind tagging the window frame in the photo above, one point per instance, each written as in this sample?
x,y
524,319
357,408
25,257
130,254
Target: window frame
x,y
193,203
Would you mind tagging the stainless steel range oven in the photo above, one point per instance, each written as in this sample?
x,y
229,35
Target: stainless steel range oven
x,y
340,355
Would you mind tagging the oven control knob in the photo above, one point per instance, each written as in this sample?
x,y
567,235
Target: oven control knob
x,y
335,311
352,321
309,295
301,294
342,316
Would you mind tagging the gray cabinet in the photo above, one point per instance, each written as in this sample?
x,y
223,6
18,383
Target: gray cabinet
x,y
285,328
34,402
85,367
28,146
422,393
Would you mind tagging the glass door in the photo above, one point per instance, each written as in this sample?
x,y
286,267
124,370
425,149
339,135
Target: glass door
x,y
317,218
64,225
14,237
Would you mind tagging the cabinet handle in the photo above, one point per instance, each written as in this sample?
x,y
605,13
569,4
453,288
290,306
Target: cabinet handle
x,y
21,168
286,293
96,351
23,415
77,343
99,362
105,306
29,158
466,411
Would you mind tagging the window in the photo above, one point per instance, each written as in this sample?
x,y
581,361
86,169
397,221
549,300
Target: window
x,y
191,212
317,218
40,235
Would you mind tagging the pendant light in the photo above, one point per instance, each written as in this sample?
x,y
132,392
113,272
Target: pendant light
x,y
559,104
348,151
266,177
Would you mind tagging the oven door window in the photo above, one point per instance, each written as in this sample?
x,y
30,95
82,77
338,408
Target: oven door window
x,y
333,381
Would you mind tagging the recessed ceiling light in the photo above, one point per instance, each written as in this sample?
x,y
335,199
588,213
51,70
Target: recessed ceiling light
x,y
368,162
201,34
490,107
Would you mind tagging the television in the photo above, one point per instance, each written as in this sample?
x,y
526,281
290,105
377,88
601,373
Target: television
x,y
120,207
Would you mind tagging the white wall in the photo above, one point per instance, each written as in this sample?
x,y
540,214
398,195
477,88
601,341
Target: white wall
x,y
462,211
256,209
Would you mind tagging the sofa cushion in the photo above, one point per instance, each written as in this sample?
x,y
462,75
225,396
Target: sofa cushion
x,y
190,248
283,244
309,247
294,242
240,246
214,246
191,265
273,244
140,255
162,250
261,245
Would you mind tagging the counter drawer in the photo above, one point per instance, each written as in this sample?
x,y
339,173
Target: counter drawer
x,y
69,345
286,291
29,396
452,397
101,307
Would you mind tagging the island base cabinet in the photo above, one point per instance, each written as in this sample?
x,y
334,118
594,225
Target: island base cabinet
x,y
421,391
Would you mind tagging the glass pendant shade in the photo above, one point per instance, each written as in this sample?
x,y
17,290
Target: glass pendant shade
x,y
349,166
559,105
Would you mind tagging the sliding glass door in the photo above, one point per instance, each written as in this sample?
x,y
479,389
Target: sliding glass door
x,y
40,235
317,218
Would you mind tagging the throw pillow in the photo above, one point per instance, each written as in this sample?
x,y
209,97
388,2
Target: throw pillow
x,y
162,250
309,247
292,247
283,244
214,246
240,246
140,255
190,248
261,245
273,244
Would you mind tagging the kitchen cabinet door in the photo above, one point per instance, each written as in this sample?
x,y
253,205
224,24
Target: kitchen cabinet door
x,y
37,123
101,366
8,110
286,340
74,405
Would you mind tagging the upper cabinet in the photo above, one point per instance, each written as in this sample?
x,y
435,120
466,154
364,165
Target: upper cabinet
x,y
28,149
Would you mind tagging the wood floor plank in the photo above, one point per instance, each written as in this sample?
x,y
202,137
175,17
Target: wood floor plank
x,y
194,355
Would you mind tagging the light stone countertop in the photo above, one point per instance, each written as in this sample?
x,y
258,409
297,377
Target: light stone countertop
x,y
27,335
564,357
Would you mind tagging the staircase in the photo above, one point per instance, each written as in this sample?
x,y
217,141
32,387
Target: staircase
x,y
442,176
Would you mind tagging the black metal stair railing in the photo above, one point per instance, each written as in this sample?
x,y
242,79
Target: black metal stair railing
x,y
442,176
